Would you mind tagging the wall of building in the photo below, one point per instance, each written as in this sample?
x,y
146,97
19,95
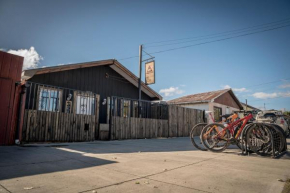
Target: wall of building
x,y
101,80
201,106
248,108
227,99
225,109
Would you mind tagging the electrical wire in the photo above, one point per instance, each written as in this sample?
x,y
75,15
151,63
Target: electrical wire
x,y
243,31
208,42
283,20
267,83
218,40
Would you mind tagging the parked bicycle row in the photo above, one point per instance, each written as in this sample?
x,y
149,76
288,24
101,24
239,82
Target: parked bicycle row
x,y
263,136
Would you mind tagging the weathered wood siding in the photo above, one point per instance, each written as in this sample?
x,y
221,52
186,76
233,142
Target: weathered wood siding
x,y
92,79
44,126
138,128
179,124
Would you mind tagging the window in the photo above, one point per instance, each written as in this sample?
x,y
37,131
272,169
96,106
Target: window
x,y
228,111
49,99
126,108
85,103
217,114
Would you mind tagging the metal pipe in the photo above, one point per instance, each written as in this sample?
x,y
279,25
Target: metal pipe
x,y
140,76
17,134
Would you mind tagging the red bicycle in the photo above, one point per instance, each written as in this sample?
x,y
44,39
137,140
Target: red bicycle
x,y
217,137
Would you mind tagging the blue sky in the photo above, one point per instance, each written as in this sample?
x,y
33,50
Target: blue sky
x,y
78,31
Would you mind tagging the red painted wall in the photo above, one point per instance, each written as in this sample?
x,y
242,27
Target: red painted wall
x,y
10,73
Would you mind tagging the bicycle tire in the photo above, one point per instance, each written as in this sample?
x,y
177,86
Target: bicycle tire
x,y
193,137
255,143
206,144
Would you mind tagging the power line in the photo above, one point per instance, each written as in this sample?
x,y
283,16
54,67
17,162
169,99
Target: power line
x,y
211,37
218,40
217,33
267,83
128,58
202,43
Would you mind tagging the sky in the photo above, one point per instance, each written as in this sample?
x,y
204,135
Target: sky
x,y
256,66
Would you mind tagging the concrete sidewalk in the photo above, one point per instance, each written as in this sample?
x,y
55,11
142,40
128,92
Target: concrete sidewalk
x,y
147,165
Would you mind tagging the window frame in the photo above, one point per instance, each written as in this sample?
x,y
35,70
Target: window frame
x,y
89,95
214,115
58,104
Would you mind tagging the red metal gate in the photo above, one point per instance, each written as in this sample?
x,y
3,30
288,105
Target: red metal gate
x,y
10,74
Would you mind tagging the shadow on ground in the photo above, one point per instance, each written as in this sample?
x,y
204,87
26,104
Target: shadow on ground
x,y
33,160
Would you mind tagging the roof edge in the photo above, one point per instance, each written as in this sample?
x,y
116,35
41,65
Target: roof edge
x,y
27,74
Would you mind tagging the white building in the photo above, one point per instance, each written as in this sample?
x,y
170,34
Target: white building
x,y
219,102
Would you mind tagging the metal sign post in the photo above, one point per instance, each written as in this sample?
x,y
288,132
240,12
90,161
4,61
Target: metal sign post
x,y
139,82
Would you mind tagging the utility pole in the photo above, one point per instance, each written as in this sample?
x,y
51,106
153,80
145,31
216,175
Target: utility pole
x,y
264,106
139,82
246,105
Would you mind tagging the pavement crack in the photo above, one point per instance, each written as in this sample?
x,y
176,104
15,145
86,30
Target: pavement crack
x,y
5,188
150,175
178,185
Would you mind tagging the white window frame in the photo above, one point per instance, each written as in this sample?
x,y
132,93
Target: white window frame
x,y
49,99
85,103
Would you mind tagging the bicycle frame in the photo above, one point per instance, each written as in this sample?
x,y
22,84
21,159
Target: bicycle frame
x,y
229,119
231,127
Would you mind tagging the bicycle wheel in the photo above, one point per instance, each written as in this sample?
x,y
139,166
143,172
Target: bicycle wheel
x,y
211,141
258,138
195,136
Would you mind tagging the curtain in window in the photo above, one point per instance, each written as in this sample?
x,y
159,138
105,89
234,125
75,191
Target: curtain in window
x,y
49,99
85,104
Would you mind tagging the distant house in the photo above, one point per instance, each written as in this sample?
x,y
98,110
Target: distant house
x,y
247,107
219,102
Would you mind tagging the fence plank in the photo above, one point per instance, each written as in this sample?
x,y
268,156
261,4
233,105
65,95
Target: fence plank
x,y
172,121
180,121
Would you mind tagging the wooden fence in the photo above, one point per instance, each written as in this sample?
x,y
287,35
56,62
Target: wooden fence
x,y
179,124
45,126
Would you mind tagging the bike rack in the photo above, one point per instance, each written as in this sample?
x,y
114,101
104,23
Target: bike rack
x,y
278,139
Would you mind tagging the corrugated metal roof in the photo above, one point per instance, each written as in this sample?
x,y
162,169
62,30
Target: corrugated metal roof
x,y
200,97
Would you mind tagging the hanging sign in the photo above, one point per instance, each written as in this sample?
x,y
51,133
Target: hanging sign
x,y
150,72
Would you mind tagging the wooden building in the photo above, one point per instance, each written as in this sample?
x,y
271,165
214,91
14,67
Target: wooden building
x,y
76,91
219,102
10,96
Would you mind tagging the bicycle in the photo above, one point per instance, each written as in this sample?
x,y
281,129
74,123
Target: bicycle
x,y
196,130
219,138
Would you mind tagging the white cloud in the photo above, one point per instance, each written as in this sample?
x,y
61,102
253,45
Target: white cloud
x,y
226,86
171,91
61,64
262,95
285,85
285,94
235,89
31,57
240,89
183,85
